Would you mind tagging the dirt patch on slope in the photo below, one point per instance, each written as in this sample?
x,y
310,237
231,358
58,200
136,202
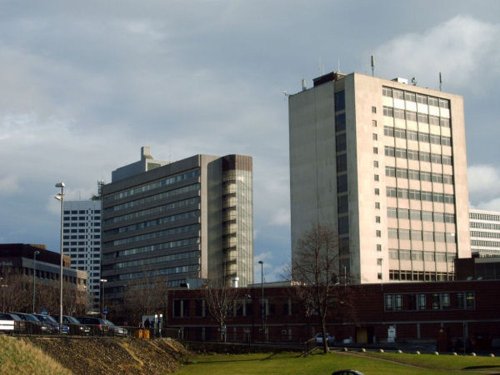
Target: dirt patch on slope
x,y
111,355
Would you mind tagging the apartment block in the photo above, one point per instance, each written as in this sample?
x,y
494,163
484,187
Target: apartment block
x,y
383,163
484,232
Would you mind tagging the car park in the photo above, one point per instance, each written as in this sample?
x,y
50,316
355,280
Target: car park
x,y
33,324
54,324
75,327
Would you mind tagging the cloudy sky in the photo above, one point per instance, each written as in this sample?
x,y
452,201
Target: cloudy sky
x,y
83,85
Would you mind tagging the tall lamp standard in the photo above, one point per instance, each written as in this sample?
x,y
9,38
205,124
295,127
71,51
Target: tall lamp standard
x,y
102,296
35,253
263,307
60,198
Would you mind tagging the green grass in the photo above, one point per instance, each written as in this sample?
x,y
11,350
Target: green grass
x,y
19,357
368,363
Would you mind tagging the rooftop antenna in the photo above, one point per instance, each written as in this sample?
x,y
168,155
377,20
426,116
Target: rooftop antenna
x,y
338,65
373,65
321,67
440,82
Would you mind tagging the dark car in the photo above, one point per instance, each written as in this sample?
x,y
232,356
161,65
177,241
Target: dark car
x,y
102,326
16,325
33,324
97,325
54,324
347,372
75,327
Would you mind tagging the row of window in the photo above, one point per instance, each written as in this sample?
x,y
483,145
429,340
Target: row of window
x,y
81,218
419,235
414,97
495,244
81,212
80,243
407,214
159,234
415,174
486,217
167,181
153,198
420,275
418,155
490,226
194,268
428,196
156,260
419,255
156,222
411,135
422,118
485,234
87,230
153,211
152,248
82,237
430,301
82,224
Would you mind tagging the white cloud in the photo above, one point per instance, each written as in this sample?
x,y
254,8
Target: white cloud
x,y
484,186
462,48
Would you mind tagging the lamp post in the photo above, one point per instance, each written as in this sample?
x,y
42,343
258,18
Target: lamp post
x,y
35,253
263,307
60,198
102,296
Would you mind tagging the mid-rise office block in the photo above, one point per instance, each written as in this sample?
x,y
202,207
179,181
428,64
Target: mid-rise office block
x,y
383,163
189,219
484,232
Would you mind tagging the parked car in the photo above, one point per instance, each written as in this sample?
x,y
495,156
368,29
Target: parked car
x,y
97,325
319,339
33,324
54,324
75,327
19,324
116,330
347,372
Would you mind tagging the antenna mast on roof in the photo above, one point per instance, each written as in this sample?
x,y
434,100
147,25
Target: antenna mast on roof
x,y
373,65
440,82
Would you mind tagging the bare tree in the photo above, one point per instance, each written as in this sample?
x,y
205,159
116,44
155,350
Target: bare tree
x,y
315,272
221,301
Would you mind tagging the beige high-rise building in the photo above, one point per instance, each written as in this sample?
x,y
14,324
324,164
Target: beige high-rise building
x,y
382,162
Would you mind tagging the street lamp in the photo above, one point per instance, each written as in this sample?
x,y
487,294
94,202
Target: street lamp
x,y
35,253
60,198
263,307
102,296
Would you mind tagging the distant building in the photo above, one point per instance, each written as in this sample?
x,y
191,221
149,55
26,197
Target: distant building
x,y
384,164
17,259
484,232
189,219
82,242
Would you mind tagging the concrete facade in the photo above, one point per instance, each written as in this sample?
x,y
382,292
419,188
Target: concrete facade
x,y
189,219
484,232
383,163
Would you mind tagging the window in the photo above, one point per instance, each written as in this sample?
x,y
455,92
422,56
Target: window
x,y
393,302
374,109
379,261
375,150
339,101
377,191
377,219
340,122
377,205
342,204
378,233
375,136
376,177
374,123
375,163
379,247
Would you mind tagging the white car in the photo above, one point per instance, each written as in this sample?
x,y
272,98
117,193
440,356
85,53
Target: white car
x,y
319,339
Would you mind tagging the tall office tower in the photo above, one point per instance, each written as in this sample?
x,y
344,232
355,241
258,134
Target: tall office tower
x,y
484,232
82,242
187,220
383,163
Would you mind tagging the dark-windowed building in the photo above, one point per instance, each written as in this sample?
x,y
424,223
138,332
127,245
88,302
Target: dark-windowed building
x,y
177,221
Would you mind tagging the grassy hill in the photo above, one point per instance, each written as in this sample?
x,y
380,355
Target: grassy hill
x,y
88,355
